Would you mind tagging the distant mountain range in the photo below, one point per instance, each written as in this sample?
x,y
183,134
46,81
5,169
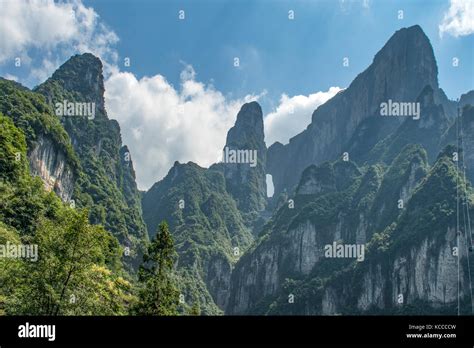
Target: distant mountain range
x,y
395,192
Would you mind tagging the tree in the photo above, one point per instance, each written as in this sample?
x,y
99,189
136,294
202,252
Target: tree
x,y
158,294
77,269
195,309
70,276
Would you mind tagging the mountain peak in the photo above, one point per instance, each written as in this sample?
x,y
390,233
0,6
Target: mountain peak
x,y
250,117
246,181
411,31
86,70
82,76
410,35
409,50
248,128
400,72
253,105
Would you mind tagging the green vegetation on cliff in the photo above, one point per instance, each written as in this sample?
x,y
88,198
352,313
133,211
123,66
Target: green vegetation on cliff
x,y
106,184
207,228
76,268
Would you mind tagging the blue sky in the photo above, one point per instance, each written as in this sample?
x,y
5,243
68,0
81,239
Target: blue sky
x,y
276,54
182,92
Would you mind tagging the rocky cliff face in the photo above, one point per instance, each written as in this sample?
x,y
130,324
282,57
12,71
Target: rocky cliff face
x,y
466,99
245,180
51,165
409,262
412,268
426,273
461,134
50,153
317,180
426,131
391,203
212,211
107,184
399,71
408,169
297,233
334,202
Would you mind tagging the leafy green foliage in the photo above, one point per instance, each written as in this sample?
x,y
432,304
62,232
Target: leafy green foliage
x,y
70,276
30,112
77,271
12,149
22,198
406,170
159,294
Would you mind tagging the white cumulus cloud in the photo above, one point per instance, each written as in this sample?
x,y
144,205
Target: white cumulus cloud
x,y
293,115
459,19
55,31
162,124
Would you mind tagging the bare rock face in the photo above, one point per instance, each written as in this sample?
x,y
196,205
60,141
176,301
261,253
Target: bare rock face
x,y
50,164
317,180
256,278
399,71
461,134
427,271
49,152
296,243
466,99
246,181
393,209
217,279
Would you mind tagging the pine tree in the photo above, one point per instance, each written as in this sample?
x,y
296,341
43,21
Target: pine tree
x,y
159,294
